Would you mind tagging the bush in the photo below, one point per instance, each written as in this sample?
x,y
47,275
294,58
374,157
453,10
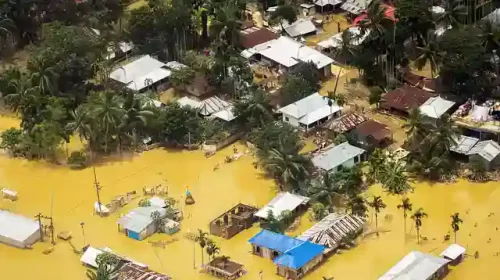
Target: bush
x,y
77,160
10,140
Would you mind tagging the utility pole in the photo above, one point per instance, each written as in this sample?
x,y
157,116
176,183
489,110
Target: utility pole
x,y
51,227
97,188
39,217
82,224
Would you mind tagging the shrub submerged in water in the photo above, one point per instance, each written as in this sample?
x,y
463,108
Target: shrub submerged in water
x,y
77,160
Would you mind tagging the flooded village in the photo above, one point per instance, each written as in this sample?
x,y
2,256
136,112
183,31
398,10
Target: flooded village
x,y
289,160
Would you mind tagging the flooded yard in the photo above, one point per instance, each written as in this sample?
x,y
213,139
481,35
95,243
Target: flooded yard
x,y
216,191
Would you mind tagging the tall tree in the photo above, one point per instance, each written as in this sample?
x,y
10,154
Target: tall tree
x,y
377,205
357,206
212,249
347,49
455,224
417,217
430,54
43,75
490,37
406,206
454,14
415,127
394,177
284,12
202,239
254,111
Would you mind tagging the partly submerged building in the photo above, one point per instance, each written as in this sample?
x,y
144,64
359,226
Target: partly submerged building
x,y
138,224
417,266
293,257
310,111
17,230
233,221
332,229
486,153
455,253
335,157
284,201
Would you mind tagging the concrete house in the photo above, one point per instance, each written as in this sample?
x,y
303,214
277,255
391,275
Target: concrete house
x,y
486,153
333,158
138,223
310,111
284,201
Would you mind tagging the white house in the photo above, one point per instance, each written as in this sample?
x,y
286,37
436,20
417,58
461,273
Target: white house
x,y
417,266
141,73
287,53
333,158
310,111
17,230
435,107
284,201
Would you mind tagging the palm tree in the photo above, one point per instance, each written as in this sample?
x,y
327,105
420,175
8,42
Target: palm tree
x,y
20,93
406,206
80,123
43,75
289,169
226,24
490,37
6,28
254,111
284,12
377,204
394,177
453,10
212,249
445,134
137,116
375,21
455,224
325,187
223,260
357,206
415,127
430,54
202,239
106,110
346,49
417,217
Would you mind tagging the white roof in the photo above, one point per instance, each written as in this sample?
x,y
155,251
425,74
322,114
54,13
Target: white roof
x,y
480,113
288,53
17,227
488,150
272,9
284,201
311,108
150,78
175,65
355,6
213,105
299,27
415,266
226,114
138,219
136,69
307,6
336,40
157,202
186,101
102,209
323,3
464,144
334,156
435,107
437,9
453,251
90,255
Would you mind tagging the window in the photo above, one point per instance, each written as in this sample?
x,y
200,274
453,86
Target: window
x,y
356,159
339,167
287,119
257,249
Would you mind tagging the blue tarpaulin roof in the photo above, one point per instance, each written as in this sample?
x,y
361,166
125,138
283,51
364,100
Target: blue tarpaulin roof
x,y
274,241
300,255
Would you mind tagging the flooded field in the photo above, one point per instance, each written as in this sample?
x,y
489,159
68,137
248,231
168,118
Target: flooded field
x,y
215,191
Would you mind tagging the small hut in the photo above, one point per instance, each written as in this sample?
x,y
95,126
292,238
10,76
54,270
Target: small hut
x,y
224,268
455,253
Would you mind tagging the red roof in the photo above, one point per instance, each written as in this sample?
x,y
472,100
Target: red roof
x,y
405,98
254,36
389,13
374,129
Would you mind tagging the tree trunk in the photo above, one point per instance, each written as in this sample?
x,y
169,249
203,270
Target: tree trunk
x,y
418,235
202,261
204,25
405,225
376,223
455,234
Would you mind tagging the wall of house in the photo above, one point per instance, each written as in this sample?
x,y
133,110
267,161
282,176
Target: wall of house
x,y
310,265
476,158
291,120
263,252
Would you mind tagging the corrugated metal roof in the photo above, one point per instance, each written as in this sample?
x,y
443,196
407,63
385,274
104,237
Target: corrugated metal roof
x,y
314,102
405,98
289,52
140,218
331,229
415,266
17,227
136,69
284,201
355,6
274,241
335,156
453,251
435,107
464,144
323,3
346,122
212,105
149,79
488,150
300,255
300,27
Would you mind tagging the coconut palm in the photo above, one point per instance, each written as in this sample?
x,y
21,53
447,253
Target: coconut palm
x,y
417,217
415,127
136,118
406,206
212,249
19,92
445,134
376,21
43,75
289,169
202,239
376,164
346,49
6,28
226,23
430,54
324,188
254,111
394,177
284,13
106,111
223,260
455,224
377,204
357,206
80,123
453,11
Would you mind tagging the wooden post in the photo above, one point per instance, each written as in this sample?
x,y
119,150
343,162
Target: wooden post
x,y
39,216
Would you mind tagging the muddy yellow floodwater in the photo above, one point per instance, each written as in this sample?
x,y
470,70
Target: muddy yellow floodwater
x,y
215,191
